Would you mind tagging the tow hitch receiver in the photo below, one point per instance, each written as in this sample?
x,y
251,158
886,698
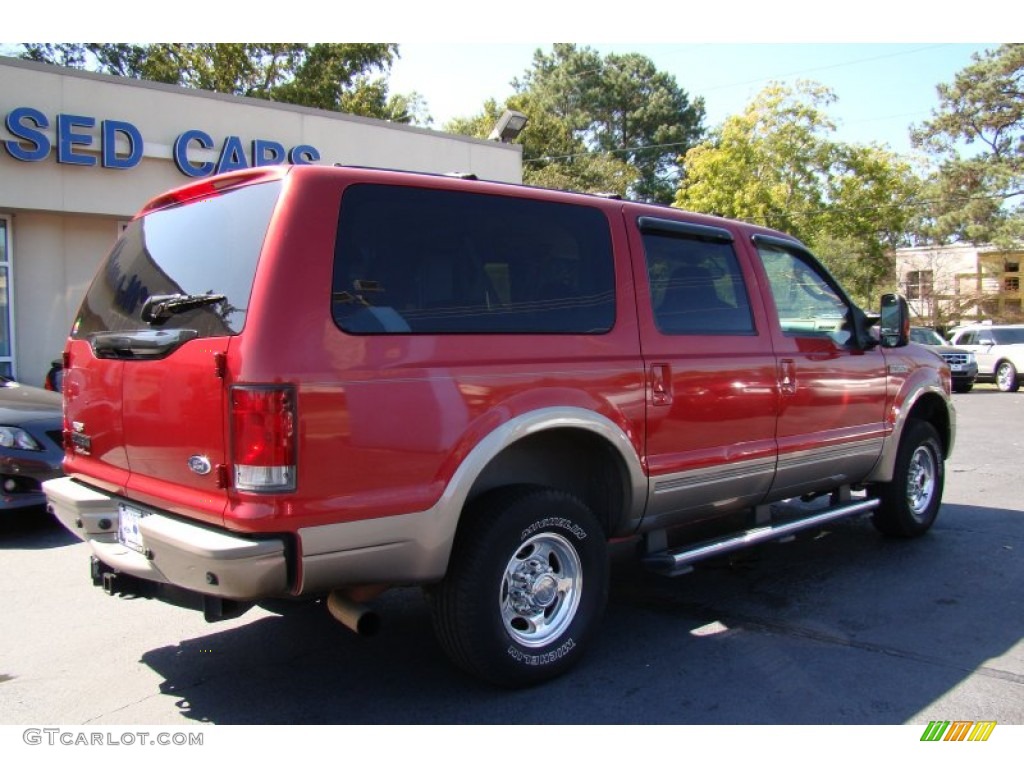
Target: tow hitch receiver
x,y
114,582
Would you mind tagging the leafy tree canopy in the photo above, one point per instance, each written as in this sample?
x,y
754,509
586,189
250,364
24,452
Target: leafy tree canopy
x,y
345,77
777,164
976,137
599,124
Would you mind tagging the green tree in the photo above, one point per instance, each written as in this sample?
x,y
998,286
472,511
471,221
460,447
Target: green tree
x,y
346,77
777,164
976,137
560,159
612,123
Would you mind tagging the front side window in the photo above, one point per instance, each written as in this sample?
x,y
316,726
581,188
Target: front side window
x,y
806,301
428,261
696,286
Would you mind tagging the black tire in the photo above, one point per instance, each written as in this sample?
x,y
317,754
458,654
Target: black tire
x,y
1006,377
910,503
963,388
526,586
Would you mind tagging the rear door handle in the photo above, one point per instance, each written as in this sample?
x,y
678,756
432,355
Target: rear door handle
x,y
661,384
787,377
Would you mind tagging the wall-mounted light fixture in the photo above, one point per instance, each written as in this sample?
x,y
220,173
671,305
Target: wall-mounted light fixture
x,y
509,125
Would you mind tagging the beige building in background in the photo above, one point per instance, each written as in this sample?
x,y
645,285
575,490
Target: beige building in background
x,y
947,285
80,153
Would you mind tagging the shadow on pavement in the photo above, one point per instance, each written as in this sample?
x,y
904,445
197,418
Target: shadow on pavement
x,y
842,627
33,528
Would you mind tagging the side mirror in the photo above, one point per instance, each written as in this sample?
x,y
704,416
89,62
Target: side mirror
x,y
895,321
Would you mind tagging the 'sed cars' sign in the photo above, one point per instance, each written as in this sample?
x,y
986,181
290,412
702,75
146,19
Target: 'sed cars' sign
x,y
75,144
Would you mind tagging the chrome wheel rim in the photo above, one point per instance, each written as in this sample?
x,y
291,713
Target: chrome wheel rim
x,y
1003,377
540,590
922,476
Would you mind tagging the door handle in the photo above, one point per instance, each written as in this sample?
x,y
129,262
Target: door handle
x,y
661,384
787,377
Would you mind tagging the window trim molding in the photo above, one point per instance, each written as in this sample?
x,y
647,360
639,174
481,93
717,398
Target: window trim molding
x,y
8,229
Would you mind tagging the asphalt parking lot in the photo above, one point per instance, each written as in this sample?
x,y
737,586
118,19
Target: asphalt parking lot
x,y
844,627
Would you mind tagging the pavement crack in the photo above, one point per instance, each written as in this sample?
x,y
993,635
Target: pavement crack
x,y
785,628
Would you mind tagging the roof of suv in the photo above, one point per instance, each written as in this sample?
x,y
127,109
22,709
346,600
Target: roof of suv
x,y
201,188
1015,340
981,326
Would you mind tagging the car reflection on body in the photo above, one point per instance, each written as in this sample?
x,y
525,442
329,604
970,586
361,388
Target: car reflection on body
x,y
30,443
963,365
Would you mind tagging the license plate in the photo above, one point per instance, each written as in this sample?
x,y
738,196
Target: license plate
x,y
128,532
956,368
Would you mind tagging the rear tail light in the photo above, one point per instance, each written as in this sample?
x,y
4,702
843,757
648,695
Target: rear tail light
x,y
263,438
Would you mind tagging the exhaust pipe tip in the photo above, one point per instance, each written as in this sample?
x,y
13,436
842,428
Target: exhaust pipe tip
x,y
357,617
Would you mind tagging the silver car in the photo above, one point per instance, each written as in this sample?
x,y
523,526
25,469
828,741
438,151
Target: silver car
x,y
963,367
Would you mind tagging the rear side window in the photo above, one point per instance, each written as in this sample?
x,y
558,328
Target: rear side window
x,y
696,286
1008,335
425,261
208,246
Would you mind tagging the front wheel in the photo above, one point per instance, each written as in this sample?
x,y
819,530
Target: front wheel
x,y
910,502
1006,377
526,587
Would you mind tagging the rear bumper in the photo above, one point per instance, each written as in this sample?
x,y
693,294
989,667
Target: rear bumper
x,y
176,552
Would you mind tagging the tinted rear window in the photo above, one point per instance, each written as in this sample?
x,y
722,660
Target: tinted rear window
x,y
1008,335
696,286
412,260
207,246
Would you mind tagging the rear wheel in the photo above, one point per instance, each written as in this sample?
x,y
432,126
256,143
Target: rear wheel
x,y
910,502
1006,377
526,587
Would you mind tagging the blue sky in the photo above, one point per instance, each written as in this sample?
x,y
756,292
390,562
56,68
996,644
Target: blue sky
x,y
882,58
881,87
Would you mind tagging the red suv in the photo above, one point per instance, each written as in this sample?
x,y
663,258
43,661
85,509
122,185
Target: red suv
x,y
316,383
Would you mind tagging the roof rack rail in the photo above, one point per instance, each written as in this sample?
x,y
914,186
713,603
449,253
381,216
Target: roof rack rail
x,y
449,174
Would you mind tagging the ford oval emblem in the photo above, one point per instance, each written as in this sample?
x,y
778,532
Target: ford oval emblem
x,y
200,465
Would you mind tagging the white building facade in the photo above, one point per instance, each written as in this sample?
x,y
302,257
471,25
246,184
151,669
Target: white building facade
x,y
80,153
951,284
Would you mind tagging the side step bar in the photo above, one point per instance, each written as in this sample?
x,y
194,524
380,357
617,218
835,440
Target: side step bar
x,y
675,562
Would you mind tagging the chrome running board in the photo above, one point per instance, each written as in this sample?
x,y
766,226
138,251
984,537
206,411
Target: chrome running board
x,y
675,562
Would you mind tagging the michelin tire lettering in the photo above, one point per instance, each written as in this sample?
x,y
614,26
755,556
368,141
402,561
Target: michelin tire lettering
x,y
555,522
544,658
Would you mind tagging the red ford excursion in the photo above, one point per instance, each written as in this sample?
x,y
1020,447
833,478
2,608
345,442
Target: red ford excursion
x,y
314,383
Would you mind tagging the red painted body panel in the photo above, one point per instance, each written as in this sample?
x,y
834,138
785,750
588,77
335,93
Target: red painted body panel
x,y
385,421
92,414
722,396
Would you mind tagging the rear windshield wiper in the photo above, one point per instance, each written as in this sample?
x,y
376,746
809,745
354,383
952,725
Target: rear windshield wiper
x,y
158,309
